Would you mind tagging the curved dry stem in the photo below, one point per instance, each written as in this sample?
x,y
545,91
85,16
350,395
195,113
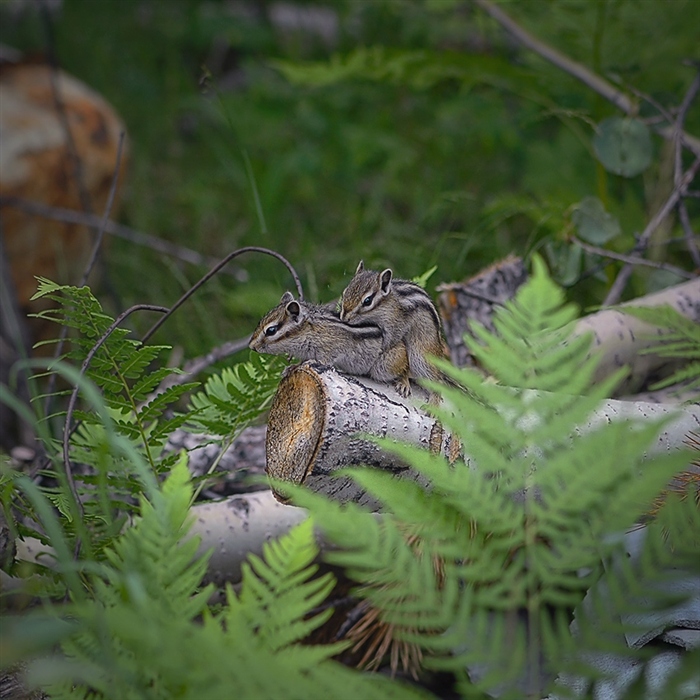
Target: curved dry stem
x,y
213,271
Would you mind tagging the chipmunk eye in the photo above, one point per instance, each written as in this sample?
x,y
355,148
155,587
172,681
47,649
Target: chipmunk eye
x,y
271,330
367,300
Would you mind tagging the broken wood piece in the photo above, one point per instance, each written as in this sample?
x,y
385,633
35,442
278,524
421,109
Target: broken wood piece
x,y
477,299
321,421
619,339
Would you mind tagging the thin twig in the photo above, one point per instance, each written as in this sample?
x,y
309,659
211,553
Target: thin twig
x,y
213,271
621,281
632,259
678,168
71,216
67,427
91,263
578,71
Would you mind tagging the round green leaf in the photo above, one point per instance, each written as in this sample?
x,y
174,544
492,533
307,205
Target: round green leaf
x,y
564,262
623,146
593,223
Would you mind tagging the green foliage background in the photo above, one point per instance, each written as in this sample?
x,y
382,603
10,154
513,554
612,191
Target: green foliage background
x,y
423,135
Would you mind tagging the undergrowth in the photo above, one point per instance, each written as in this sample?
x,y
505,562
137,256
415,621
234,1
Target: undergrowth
x,y
483,571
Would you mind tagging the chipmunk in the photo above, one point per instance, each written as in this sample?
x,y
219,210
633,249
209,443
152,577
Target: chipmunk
x,y
406,315
313,332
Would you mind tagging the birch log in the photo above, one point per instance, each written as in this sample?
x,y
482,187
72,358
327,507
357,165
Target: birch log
x,y
619,339
321,420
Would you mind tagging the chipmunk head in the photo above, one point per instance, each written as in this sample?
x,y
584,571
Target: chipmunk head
x,y
276,325
366,289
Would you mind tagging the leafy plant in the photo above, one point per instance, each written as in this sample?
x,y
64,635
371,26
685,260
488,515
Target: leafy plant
x,y
146,632
236,395
98,486
480,574
513,536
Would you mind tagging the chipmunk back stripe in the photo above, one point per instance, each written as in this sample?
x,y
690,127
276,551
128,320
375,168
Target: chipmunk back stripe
x,y
414,296
362,330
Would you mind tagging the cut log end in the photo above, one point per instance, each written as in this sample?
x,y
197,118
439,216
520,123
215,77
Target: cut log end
x,y
322,421
295,425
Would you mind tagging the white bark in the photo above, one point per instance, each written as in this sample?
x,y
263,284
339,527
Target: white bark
x,y
321,421
618,339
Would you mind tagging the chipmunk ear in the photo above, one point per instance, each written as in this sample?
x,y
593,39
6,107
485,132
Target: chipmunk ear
x,y
293,309
286,298
360,266
385,281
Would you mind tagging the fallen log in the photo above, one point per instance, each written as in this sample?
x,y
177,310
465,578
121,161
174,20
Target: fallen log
x,y
321,421
618,338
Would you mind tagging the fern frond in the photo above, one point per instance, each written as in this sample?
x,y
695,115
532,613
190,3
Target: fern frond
x,y
239,394
277,594
541,497
681,340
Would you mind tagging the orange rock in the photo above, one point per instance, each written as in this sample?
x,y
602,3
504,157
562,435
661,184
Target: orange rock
x,y
36,164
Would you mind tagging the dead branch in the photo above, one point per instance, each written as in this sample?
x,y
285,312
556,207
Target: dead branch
x,y
678,169
619,339
678,191
578,71
97,245
631,259
159,245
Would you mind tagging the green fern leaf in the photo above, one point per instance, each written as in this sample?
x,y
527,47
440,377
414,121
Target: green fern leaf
x,y
537,501
682,341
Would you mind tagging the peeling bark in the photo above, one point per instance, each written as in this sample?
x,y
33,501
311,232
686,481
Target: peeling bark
x,y
618,339
477,299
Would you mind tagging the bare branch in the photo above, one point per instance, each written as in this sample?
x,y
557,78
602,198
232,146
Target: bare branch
x,y
632,259
95,249
578,71
621,281
197,364
678,169
71,216
105,216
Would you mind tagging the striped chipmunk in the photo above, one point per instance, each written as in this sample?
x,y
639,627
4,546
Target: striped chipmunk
x,y
405,313
315,332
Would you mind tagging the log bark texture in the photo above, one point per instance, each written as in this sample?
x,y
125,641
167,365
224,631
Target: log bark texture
x,y
476,299
321,421
619,339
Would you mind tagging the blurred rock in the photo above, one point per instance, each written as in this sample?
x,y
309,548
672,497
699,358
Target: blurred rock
x,y
58,148
37,164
